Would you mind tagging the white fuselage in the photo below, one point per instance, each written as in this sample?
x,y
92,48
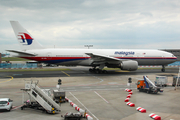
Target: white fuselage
x,y
126,59
79,56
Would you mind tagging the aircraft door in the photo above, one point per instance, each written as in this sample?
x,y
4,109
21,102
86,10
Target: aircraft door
x,y
49,55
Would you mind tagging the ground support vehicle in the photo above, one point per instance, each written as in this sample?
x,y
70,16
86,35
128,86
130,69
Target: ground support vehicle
x,y
59,96
161,81
41,99
147,86
72,116
6,104
33,105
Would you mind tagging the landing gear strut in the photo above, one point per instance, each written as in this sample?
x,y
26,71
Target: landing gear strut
x,y
163,68
98,71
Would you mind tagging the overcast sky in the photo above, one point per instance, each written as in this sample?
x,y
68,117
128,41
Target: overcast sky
x,y
149,24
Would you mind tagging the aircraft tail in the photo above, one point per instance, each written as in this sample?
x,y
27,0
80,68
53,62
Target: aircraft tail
x,y
24,38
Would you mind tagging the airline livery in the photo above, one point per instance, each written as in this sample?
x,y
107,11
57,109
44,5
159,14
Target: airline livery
x,y
125,59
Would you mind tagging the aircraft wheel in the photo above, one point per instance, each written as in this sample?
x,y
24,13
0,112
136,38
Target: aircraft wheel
x,y
98,71
155,92
163,70
90,70
104,71
147,91
95,70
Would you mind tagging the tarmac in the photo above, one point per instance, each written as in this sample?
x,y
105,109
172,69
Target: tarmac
x,y
101,96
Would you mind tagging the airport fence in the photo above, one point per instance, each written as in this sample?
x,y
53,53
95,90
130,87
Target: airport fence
x,y
18,65
37,65
177,63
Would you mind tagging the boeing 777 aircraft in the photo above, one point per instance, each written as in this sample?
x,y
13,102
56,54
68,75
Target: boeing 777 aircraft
x,y
125,59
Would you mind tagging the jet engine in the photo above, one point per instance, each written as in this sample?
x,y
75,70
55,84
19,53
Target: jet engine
x,y
129,65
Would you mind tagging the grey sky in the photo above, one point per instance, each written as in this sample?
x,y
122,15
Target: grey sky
x,y
150,24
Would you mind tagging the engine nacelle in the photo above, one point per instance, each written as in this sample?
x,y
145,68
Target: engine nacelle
x,y
129,65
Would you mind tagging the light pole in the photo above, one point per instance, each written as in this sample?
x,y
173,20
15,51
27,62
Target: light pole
x,y
177,79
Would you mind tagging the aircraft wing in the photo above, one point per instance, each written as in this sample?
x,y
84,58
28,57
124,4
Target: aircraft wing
x,y
21,52
97,58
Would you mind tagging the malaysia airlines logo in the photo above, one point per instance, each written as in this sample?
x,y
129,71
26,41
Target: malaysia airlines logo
x,y
124,53
26,39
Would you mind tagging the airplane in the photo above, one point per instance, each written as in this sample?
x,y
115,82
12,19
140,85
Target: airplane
x,y
125,59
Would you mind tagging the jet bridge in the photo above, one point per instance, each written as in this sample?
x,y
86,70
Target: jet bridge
x,y
42,99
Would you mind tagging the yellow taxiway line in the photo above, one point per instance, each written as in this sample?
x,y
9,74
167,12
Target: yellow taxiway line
x,y
65,73
7,80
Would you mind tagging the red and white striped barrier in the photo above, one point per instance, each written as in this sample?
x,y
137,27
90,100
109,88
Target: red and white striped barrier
x,y
158,66
131,92
128,90
130,104
88,117
154,116
66,99
72,104
126,100
140,109
79,109
151,115
129,96
75,106
16,107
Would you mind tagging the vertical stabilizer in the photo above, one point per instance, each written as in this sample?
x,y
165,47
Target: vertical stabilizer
x,y
24,38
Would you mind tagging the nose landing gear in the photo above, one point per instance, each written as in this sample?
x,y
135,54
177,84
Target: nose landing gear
x,y
163,68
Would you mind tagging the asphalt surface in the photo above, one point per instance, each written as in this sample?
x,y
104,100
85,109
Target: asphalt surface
x,y
102,95
83,71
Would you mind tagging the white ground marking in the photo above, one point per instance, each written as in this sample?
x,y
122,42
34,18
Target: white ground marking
x,y
84,107
101,97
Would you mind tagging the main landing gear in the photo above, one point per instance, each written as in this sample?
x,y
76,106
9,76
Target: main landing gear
x,y
163,68
98,71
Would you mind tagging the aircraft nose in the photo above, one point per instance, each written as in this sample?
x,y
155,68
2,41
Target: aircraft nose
x,y
175,58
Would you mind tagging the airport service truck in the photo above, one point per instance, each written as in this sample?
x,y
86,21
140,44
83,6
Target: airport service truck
x,y
147,86
161,81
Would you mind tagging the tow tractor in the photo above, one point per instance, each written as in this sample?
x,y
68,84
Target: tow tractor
x,y
147,86
72,116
